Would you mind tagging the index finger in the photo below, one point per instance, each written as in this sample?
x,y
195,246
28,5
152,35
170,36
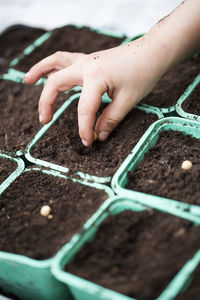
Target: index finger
x,y
58,61
58,82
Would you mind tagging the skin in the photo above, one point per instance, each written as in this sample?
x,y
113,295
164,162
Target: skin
x,y
127,73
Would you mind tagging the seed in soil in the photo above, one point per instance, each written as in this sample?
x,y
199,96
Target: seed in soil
x,y
186,165
29,233
62,145
162,163
45,210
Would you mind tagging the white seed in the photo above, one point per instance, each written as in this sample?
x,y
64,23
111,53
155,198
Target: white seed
x,y
45,210
50,217
186,165
180,232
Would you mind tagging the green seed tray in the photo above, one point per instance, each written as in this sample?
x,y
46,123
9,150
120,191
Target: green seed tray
x,y
183,279
184,98
44,37
130,39
120,179
167,111
19,169
30,278
57,114
83,289
18,76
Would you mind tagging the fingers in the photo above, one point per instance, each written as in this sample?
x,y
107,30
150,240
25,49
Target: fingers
x,y
88,106
58,82
56,61
112,115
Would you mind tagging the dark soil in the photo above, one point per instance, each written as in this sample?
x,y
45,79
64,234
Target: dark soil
x,y
137,254
160,171
192,104
24,231
62,144
6,168
19,114
9,295
14,40
72,39
193,292
174,83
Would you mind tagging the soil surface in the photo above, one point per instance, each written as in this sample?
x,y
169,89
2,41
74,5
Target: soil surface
x,y
14,40
24,231
72,39
62,144
193,292
6,168
174,83
160,171
137,254
19,114
192,104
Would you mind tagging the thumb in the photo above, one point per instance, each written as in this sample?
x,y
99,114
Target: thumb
x,y
112,115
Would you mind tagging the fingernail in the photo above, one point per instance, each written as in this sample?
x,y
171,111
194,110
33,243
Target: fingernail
x,y
85,143
102,136
40,118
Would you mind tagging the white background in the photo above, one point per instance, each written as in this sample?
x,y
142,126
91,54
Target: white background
x,y
126,16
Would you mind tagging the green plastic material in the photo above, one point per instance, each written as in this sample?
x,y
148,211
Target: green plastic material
x,y
167,111
29,278
120,179
83,289
133,38
19,169
184,98
18,76
39,41
44,37
44,129
183,279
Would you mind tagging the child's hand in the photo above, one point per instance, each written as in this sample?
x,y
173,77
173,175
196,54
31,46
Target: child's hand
x,y
127,73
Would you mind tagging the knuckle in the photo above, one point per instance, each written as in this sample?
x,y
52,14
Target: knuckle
x,y
58,54
110,123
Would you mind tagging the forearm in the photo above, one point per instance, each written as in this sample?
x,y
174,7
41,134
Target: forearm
x,y
177,36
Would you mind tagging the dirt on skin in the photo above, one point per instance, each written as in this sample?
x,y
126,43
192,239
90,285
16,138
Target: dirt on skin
x,y
25,231
160,172
72,39
62,144
172,85
137,254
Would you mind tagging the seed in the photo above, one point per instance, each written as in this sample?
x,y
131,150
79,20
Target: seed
x,y
95,135
45,210
50,217
186,165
